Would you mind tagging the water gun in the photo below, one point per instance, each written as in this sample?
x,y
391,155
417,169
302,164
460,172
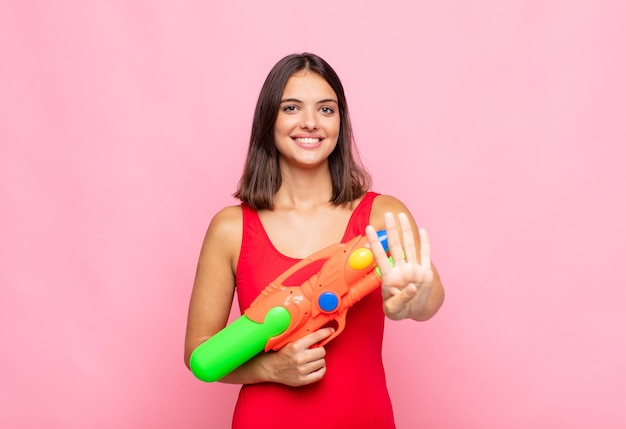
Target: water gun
x,y
283,314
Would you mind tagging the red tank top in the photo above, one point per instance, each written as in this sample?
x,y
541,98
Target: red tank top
x,y
353,392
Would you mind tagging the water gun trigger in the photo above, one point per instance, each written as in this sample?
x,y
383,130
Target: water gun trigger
x,y
338,324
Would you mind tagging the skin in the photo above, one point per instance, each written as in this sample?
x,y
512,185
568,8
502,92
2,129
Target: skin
x,y
303,222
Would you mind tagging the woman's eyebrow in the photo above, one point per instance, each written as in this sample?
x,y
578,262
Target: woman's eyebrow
x,y
295,100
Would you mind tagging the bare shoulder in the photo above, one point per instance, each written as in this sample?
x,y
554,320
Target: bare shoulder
x,y
227,221
383,204
225,232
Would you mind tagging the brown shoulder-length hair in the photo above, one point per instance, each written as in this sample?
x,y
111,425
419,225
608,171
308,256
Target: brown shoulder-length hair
x,y
261,177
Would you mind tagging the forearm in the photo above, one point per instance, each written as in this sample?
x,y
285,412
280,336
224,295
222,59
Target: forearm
x,y
251,372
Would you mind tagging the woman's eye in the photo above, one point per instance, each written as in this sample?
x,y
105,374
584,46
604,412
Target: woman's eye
x,y
328,110
289,109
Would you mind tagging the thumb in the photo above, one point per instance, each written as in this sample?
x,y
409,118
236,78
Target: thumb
x,y
396,303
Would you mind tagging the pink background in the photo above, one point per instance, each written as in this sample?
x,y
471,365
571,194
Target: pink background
x,y
123,126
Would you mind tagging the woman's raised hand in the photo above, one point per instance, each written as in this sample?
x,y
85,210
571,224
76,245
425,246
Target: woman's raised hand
x,y
406,284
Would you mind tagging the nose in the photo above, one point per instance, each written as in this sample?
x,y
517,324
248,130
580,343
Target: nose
x,y
309,120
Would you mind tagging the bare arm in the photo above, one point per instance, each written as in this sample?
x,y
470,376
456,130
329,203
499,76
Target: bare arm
x,y
211,301
214,284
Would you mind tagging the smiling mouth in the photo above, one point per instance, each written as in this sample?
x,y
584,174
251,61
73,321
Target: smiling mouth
x,y
308,140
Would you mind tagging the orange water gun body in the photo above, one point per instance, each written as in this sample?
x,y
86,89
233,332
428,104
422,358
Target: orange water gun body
x,y
282,314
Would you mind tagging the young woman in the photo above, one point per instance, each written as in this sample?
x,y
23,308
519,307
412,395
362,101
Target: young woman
x,y
303,189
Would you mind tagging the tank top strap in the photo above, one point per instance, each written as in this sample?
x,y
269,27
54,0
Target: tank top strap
x,y
360,217
252,226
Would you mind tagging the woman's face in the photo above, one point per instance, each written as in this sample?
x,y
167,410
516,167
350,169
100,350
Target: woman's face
x,y
308,121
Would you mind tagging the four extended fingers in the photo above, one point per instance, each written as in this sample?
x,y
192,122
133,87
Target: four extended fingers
x,y
400,251
401,287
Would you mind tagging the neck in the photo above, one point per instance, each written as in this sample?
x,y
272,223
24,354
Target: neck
x,y
304,190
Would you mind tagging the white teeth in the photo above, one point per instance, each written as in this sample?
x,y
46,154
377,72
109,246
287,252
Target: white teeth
x,y
307,140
